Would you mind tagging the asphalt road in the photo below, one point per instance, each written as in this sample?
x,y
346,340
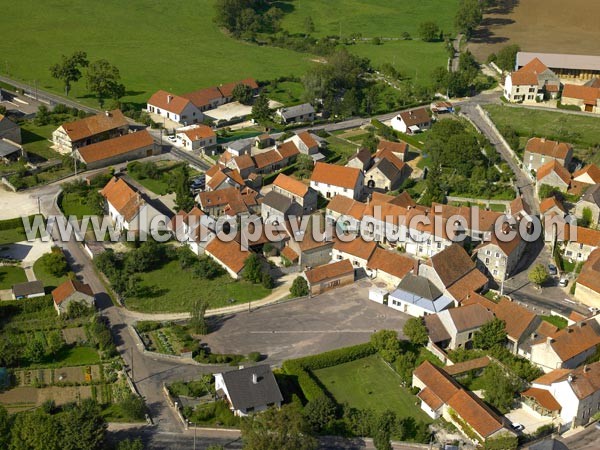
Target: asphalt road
x,y
588,439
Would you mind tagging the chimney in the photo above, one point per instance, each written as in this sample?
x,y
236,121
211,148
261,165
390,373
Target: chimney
x,y
254,378
169,98
549,340
107,113
543,139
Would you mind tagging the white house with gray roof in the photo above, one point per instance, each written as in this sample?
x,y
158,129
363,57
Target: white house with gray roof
x,y
299,113
418,297
249,390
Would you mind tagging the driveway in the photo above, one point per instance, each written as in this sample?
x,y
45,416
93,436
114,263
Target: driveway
x,y
338,318
528,419
13,204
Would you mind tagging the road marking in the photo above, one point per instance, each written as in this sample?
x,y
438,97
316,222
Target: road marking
x,y
311,331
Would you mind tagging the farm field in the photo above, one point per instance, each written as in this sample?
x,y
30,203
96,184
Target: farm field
x,y
581,131
156,45
532,24
173,290
370,383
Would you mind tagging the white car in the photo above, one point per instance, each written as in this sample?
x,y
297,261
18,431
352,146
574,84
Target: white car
x,y
172,138
517,426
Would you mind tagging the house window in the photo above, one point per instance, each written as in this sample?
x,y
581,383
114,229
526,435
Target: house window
x,y
487,260
497,255
569,253
488,252
470,335
439,245
495,272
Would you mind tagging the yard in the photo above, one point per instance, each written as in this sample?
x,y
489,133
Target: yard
x,y
171,289
339,149
12,230
581,131
286,92
10,275
73,204
36,141
370,383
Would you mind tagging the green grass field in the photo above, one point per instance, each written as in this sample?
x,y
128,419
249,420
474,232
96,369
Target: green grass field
x,y
156,45
581,131
49,280
72,204
174,290
370,383
339,150
36,140
10,275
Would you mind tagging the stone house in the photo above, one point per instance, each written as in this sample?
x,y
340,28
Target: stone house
x,y
120,149
539,151
69,292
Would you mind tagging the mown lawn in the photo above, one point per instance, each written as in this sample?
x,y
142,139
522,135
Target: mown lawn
x,y
150,43
49,280
340,150
370,383
12,230
72,204
36,140
76,356
10,275
286,92
581,131
171,289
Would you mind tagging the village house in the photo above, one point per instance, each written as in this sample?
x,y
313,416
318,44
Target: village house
x,y
388,171
580,248
587,175
534,81
356,250
411,122
398,149
249,390
587,288
455,327
199,137
174,107
539,151
329,276
418,297
574,395
453,272
587,98
552,206
389,266
296,190
9,130
567,348
128,209
29,289
275,207
442,396
307,144
217,178
553,174
69,292
73,135
264,140
244,164
294,114
330,180
229,255
362,159
10,151
590,200
120,149
239,147
312,246
228,201
195,229
498,257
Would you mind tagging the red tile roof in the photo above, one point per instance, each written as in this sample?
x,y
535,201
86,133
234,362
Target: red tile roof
x,y
68,288
543,397
528,74
415,117
227,89
115,146
437,380
543,146
591,170
125,199
229,254
168,102
589,95
198,133
329,271
556,167
203,97
549,203
394,147
575,339
391,262
93,125
475,413
308,140
346,177
290,184
356,247
590,274
290,254
467,366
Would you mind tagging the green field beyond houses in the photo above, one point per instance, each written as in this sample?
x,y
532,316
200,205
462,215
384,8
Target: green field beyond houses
x,y
368,383
176,46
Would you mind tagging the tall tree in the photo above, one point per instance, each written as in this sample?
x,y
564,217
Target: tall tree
x,y
283,429
260,109
499,387
506,57
253,269
198,321
320,413
491,334
538,275
242,93
387,344
468,17
69,69
104,80
299,287
429,31
415,330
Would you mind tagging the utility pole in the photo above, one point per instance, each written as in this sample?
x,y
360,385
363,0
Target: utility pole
x,y
132,375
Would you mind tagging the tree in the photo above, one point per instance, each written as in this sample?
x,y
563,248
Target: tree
x,y
506,57
387,344
260,110
499,387
242,93
42,116
415,330
376,40
198,321
304,165
267,280
181,183
5,427
429,31
381,440
253,269
34,350
104,80
468,17
55,263
309,25
83,426
299,287
491,334
69,69
277,429
133,406
538,275
586,217
320,413
55,341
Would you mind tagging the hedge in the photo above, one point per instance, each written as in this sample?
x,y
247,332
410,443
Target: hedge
x,y
302,368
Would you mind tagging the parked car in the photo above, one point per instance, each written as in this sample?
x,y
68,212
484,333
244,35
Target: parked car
x,y
172,138
552,270
517,426
563,282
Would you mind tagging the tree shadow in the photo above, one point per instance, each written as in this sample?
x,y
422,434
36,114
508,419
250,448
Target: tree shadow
x,y
503,7
286,6
151,292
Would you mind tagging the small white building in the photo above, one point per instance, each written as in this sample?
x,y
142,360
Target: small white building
x,y
174,107
417,296
411,122
197,137
249,390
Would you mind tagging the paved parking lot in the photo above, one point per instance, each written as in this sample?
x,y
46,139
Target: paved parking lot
x,y
338,318
530,420
228,111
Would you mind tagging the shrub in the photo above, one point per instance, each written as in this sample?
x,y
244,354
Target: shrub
x,y
254,356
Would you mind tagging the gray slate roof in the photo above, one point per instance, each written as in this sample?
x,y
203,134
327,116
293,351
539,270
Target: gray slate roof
x,y
7,148
421,292
277,201
240,144
389,170
28,288
244,393
592,195
295,111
